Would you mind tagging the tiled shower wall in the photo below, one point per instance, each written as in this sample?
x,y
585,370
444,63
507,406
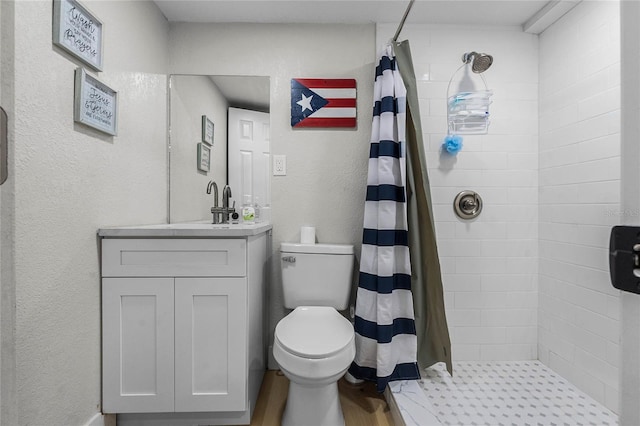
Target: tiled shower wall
x,y
580,197
489,264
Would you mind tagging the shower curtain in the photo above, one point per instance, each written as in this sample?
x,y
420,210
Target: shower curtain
x,y
434,344
396,330
386,341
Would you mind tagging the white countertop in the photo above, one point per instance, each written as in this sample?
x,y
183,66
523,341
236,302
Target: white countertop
x,y
189,230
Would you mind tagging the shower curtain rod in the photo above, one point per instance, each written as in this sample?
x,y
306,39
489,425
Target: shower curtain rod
x,y
404,18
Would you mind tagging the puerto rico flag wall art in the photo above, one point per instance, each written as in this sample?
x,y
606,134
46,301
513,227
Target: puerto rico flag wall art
x,y
323,102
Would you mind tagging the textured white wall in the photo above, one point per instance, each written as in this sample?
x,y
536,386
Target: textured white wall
x,y
69,181
326,169
579,328
191,97
489,264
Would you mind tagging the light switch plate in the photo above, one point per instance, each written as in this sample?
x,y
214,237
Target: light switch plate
x,y
279,165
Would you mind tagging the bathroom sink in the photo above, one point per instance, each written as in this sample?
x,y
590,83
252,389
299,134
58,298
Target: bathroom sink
x,y
198,225
188,229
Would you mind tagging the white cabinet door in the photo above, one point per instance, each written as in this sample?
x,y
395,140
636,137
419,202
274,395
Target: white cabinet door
x,y
137,333
211,344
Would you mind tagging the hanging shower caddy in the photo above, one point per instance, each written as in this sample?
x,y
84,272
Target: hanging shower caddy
x,y
468,111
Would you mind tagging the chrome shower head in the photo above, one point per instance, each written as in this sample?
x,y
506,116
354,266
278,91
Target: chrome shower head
x,y
481,61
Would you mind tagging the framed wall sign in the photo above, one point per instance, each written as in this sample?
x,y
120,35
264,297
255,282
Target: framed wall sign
x,y
96,104
78,32
323,103
207,130
204,157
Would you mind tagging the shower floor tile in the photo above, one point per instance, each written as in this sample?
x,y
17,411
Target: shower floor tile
x,y
509,393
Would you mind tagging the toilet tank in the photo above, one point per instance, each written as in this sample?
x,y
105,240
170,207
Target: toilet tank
x,y
316,274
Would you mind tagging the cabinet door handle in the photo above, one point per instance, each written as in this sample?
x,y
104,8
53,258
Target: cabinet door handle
x,y
4,151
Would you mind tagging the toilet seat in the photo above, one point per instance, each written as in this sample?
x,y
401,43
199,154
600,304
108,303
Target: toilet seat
x,y
314,332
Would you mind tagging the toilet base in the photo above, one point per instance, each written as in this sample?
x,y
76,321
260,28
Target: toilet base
x,y
313,406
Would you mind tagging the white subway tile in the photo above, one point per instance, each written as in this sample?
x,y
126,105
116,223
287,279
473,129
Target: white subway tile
x,y
521,335
599,103
467,300
461,282
463,317
522,230
480,265
596,367
613,354
508,282
509,317
522,195
508,352
462,352
479,335
479,230
522,161
599,148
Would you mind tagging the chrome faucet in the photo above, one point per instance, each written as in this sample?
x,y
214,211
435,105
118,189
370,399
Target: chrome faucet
x,y
215,210
221,214
226,211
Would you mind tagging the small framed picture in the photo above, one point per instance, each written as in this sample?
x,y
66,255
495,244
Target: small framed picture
x,y
204,157
78,32
207,130
95,103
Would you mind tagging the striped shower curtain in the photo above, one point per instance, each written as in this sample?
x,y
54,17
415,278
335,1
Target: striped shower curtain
x,y
386,342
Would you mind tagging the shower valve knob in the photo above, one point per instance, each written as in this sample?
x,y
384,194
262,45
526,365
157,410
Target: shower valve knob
x,y
467,205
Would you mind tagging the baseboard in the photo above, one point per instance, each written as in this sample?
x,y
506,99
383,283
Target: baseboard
x,y
100,419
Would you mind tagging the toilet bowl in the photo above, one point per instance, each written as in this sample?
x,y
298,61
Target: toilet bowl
x,y
314,346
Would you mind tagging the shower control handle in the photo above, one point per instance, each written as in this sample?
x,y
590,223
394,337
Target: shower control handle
x,y
467,205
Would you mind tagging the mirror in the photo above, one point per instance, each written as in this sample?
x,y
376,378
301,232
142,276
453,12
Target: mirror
x,y
191,98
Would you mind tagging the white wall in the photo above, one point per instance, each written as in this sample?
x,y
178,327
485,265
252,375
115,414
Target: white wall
x,y
326,169
8,405
488,264
630,156
580,197
191,97
69,181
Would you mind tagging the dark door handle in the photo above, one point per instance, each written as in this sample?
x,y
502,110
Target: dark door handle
x,y
624,258
4,151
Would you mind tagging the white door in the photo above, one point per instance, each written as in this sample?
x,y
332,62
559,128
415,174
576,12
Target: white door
x,y
137,345
211,344
249,157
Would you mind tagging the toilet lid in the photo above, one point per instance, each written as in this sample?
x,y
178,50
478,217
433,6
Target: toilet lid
x,y
314,331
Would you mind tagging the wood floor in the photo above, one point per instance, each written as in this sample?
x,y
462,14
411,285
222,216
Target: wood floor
x,y
361,404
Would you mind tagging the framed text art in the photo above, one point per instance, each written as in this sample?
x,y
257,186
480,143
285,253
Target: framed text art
x,y
204,157
95,104
207,130
78,32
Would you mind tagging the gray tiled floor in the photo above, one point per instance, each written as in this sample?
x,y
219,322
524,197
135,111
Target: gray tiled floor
x,y
509,393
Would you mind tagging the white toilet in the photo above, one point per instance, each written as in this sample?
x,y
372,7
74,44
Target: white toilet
x,y
314,345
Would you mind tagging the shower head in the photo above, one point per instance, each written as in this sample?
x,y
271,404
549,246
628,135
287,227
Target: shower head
x,y
481,61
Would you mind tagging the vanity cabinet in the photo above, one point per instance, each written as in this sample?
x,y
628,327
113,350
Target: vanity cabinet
x,y
183,328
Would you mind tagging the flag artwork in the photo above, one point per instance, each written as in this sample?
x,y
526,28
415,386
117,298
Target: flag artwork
x,y
323,102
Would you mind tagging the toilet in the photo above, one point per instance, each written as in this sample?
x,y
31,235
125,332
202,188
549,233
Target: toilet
x,y
314,345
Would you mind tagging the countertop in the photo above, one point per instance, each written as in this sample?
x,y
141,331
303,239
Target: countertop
x,y
188,230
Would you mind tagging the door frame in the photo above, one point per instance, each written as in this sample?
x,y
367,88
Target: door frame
x,y
629,367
